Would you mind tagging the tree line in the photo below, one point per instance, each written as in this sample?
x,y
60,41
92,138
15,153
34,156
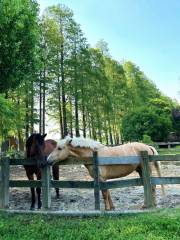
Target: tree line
x,y
48,70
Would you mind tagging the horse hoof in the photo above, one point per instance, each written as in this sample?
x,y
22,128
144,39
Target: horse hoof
x,y
143,207
32,208
57,196
39,205
112,208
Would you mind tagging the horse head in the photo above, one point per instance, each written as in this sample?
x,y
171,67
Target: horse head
x,y
73,147
61,152
35,146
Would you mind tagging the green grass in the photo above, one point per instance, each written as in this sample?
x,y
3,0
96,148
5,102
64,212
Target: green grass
x,y
174,150
160,225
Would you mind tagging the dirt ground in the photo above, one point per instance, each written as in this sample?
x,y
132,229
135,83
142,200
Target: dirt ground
x,y
129,198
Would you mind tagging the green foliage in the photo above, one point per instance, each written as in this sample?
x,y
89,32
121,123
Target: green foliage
x,y
9,117
48,67
18,41
146,120
147,139
162,225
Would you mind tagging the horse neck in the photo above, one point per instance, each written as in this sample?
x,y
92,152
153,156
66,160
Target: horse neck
x,y
50,145
82,153
35,151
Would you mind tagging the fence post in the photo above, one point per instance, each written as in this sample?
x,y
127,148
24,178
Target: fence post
x,y
4,183
146,174
46,188
96,181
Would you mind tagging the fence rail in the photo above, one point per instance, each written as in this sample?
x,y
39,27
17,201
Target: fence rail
x,y
147,181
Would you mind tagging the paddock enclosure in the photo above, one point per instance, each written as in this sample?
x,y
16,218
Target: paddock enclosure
x,y
82,193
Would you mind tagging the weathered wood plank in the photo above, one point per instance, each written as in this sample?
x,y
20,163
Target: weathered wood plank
x,y
119,160
167,143
27,162
102,160
165,180
90,184
46,190
72,184
25,183
103,185
96,181
169,157
4,190
80,214
146,180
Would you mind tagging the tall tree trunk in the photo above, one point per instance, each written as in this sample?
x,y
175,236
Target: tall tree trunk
x,y
65,131
76,96
71,118
76,114
110,133
60,108
40,103
99,126
93,129
32,108
106,133
26,115
89,125
84,120
44,101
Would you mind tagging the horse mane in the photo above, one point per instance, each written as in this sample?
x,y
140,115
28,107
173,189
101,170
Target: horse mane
x,y
81,142
35,137
29,144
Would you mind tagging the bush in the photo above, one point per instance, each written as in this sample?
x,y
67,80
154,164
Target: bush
x,y
146,121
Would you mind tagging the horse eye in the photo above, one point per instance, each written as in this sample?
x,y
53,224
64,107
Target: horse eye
x,y
59,148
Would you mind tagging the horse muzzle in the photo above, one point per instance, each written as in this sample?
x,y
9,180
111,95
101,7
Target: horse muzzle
x,y
50,161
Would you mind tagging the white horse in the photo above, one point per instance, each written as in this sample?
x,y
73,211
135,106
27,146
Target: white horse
x,y
82,148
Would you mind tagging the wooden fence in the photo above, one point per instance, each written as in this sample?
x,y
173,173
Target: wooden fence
x,y
46,183
167,144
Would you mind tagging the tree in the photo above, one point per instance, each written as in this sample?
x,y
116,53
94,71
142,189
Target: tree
x,y
18,40
146,120
10,118
140,88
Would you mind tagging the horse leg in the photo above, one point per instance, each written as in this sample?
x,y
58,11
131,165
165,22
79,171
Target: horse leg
x,y
110,200
154,195
33,199
38,191
139,170
106,199
55,172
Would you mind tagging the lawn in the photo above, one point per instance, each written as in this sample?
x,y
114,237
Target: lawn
x,y
164,224
173,150
160,225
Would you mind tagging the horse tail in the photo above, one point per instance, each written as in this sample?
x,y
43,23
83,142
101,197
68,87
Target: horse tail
x,y
157,166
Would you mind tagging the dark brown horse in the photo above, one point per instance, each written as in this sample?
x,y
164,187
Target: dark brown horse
x,y
38,148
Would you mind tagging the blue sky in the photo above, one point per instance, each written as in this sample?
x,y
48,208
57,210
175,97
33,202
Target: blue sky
x,y
146,32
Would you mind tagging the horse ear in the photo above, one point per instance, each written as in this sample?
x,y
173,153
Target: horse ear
x,y
44,135
68,140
